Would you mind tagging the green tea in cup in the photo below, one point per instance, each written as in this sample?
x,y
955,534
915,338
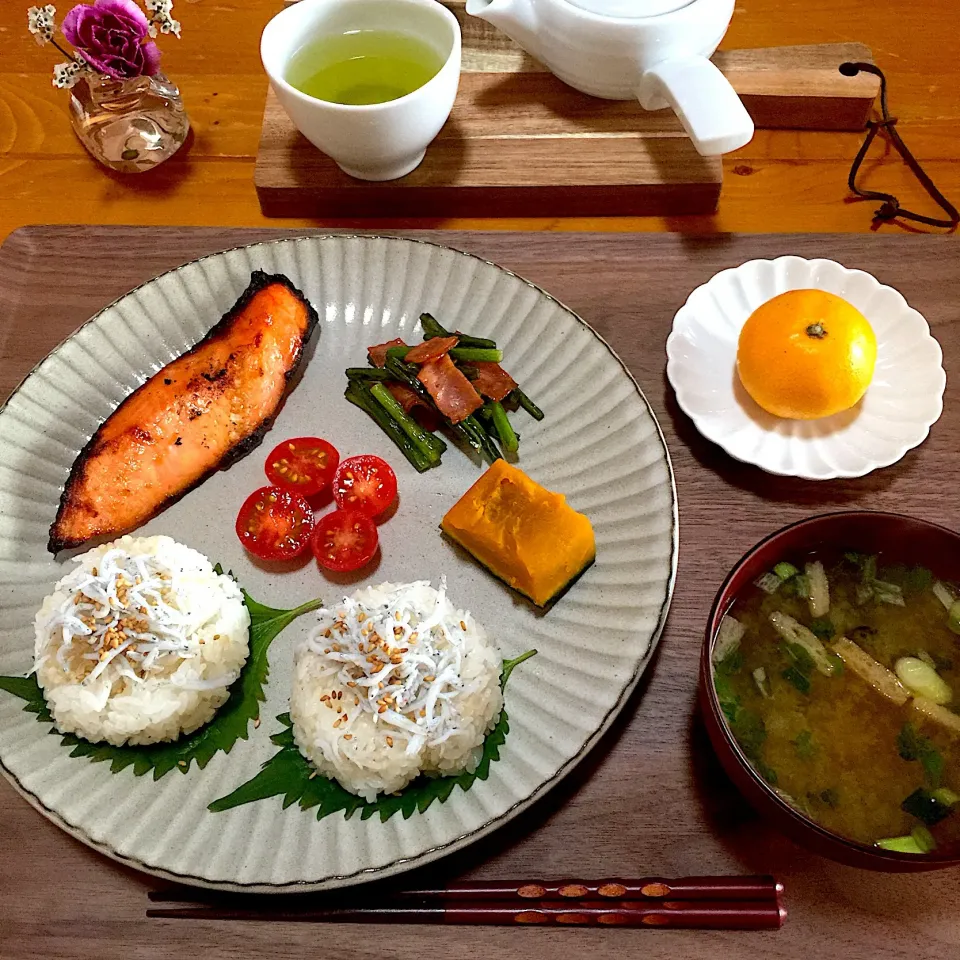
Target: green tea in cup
x,y
363,67
371,83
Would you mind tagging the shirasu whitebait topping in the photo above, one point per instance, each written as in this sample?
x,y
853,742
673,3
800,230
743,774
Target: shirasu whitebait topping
x,y
122,620
403,667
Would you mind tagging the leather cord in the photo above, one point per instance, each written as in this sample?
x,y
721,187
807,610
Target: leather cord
x,y
890,207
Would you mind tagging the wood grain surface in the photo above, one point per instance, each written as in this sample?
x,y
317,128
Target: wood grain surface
x,y
521,142
651,799
782,181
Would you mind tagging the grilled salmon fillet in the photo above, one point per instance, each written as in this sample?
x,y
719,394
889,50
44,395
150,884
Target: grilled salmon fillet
x,y
200,413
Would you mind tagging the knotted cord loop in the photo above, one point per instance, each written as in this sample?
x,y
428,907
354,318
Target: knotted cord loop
x,y
890,207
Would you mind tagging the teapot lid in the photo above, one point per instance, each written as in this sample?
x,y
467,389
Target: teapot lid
x,y
629,9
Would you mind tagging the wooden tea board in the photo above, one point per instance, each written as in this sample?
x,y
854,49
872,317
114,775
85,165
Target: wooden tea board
x,y
651,799
521,143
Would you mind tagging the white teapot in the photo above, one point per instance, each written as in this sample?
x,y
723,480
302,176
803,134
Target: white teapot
x,y
654,50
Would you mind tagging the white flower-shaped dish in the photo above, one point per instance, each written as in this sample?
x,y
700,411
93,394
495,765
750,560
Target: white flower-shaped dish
x,y
904,400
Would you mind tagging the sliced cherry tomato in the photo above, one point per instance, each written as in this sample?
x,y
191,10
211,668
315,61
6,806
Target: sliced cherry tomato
x,y
275,524
366,484
305,465
344,540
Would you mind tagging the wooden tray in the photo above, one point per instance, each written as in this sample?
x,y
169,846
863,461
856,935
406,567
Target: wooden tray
x,y
521,143
652,798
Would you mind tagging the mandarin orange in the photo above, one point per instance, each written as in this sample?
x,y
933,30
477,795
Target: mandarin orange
x,y
806,354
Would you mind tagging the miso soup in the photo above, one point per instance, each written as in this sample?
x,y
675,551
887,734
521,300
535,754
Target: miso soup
x,y
839,677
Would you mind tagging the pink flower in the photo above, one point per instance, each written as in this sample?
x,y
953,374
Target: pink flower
x,y
113,37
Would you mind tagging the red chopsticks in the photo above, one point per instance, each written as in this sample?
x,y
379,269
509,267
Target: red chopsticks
x,y
705,903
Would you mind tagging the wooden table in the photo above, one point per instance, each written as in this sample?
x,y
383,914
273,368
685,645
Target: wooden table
x,y
652,796
782,181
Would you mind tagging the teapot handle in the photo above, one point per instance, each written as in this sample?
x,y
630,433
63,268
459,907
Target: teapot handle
x,y
703,99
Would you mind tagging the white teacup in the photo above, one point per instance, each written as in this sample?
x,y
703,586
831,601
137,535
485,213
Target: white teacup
x,y
380,141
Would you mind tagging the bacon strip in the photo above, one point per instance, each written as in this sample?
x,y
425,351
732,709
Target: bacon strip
x,y
431,349
412,402
452,392
407,398
494,382
378,353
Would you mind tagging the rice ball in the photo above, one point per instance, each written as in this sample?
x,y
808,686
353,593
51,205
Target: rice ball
x,y
394,682
140,642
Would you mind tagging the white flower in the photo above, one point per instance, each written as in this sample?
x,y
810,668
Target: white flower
x,y
40,22
161,20
159,7
66,75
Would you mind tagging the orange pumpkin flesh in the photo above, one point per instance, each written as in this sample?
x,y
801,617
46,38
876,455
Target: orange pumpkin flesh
x,y
527,536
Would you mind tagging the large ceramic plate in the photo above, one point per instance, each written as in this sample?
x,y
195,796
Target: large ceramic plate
x,y
600,444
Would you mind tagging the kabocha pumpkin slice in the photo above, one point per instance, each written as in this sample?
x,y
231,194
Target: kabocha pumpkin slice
x,y
530,538
206,409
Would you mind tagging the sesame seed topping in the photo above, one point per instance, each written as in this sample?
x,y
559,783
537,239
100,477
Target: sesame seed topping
x,y
410,687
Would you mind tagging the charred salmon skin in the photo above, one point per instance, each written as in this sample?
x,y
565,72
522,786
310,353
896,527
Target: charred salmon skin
x,y
205,410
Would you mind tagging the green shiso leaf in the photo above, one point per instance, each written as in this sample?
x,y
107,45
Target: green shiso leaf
x,y
231,723
27,688
289,774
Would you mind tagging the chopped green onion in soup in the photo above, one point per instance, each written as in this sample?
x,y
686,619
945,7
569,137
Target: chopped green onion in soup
x,y
944,594
946,796
953,616
924,838
907,844
785,571
888,593
923,680
768,583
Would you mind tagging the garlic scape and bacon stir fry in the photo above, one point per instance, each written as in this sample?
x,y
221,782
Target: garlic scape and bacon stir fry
x,y
451,380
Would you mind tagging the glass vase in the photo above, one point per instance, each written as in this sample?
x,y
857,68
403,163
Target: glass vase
x,y
129,125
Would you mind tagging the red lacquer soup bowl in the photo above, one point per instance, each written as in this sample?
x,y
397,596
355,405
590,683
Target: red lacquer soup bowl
x,y
906,539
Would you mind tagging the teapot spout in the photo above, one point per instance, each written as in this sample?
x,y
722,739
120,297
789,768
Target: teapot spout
x,y
516,18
